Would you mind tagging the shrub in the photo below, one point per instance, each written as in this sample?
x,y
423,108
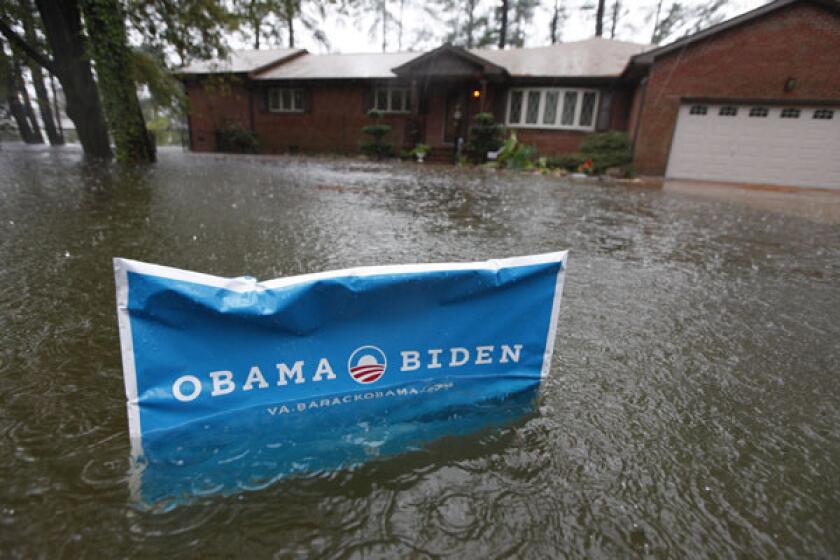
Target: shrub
x,y
377,147
421,149
514,155
236,139
607,149
486,135
569,162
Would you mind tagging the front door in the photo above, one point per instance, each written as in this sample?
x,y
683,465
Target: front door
x,y
456,116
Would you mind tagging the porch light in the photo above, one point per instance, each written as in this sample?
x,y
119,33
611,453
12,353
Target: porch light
x,y
476,93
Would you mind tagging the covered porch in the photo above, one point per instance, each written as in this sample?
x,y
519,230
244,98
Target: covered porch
x,y
448,86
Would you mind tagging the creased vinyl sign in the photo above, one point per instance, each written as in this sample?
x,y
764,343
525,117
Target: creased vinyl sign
x,y
382,338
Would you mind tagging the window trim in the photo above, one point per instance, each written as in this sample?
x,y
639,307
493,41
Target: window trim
x,y
558,113
278,91
389,92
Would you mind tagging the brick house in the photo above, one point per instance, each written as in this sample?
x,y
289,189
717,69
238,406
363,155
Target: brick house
x,y
753,99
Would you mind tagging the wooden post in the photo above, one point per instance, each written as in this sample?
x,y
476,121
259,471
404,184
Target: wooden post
x,y
483,102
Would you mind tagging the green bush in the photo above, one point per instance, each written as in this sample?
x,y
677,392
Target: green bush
x,y
420,148
607,149
486,135
613,141
236,139
569,162
515,155
377,147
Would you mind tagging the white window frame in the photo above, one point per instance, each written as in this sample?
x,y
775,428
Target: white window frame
x,y
389,93
558,117
275,100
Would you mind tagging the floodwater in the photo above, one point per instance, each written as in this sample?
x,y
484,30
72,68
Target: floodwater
x,y
693,407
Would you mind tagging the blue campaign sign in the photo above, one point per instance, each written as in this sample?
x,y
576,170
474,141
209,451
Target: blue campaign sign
x,y
397,344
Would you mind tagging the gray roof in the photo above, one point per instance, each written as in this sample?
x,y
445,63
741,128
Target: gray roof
x,y
596,57
239,61
588,58
339,66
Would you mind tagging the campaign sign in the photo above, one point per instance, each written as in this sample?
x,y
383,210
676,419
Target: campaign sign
x,y
381,358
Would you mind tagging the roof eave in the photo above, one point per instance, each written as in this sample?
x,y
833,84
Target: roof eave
x,y
488,68
275,63
648,57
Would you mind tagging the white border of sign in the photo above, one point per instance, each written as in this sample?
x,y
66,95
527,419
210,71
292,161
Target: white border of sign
x,y
123,266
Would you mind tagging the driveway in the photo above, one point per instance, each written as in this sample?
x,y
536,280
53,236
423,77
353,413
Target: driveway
x,y
817,205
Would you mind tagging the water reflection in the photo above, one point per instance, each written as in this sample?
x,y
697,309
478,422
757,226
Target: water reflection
x,y
245,451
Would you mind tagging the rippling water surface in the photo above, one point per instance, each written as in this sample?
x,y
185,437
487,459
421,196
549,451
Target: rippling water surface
x,y
693,407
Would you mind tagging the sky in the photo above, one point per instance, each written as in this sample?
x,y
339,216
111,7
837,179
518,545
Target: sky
x,y
423,32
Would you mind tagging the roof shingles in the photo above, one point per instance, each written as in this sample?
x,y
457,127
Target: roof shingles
x,y
237,62
594,57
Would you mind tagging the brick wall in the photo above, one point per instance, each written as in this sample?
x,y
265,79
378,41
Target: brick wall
x,y
556,142
335,116
750,61
551,142
215,103
332,123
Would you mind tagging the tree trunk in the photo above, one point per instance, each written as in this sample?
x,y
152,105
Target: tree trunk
x,y
20,85
44,105
56,110
599,19
16,109
615,10
554,23
400,27
503,24
63,27
654,40
12,99
470,22
291,12
38,78
384,25
105,24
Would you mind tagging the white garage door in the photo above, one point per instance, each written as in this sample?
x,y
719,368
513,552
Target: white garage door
x,y
796,146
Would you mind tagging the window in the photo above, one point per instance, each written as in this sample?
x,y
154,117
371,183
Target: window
x,y
550,112
758,112
569,104
285,100
552,108
392,100
587,110
515,112
824,114
697,110
533,112
728,111
790,113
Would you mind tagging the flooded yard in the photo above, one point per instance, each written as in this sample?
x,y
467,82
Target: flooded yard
x,y
692,410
